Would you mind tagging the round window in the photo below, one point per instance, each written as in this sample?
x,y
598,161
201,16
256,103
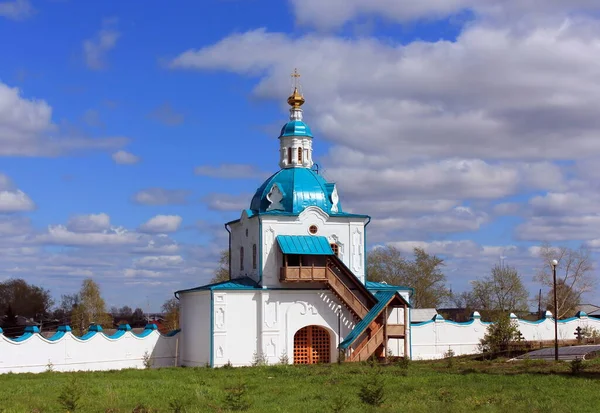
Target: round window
x,y
313,229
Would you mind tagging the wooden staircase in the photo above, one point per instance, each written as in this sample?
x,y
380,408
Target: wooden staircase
x,y
369,345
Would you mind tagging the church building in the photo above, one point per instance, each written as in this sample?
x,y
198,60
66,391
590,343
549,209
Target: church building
x,y
298,288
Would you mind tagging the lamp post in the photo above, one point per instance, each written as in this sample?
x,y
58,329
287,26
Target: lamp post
x,y
554,264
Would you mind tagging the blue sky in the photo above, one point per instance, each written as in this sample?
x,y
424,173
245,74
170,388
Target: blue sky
x,y
129,134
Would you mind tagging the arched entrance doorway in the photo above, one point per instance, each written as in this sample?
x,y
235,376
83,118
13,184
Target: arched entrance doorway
x,y
312,344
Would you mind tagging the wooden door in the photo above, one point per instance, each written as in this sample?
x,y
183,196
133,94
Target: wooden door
x,y
312,344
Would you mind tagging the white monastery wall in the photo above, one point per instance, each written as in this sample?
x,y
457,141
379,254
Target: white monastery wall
x,y
34,353
431,339
347,233
194,321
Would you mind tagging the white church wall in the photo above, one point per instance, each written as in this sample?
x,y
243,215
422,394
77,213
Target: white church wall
x,y
194,321
272,316
347,233
245,234
396,345
36,354
235,327
432,339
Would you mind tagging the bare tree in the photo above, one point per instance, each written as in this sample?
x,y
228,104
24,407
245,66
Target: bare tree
x,y
574,276
222,272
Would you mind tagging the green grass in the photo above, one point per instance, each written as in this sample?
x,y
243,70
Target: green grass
x,y
465,386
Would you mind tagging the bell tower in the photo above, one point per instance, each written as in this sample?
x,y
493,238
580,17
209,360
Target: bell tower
x,y
295,139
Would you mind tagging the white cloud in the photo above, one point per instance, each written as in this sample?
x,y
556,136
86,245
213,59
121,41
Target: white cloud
x,y
230,171
136,273
125,158
227,202
96,48
500,89
16,9
162,224
61,235
161,196
89,223
334,13
15,201
160,261
26,129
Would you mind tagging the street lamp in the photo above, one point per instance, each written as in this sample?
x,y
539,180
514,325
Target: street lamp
x,y
554,264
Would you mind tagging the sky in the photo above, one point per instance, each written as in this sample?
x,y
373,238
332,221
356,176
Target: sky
x,y
129,134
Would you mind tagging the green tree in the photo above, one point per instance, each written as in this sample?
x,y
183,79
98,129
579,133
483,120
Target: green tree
x,y
500,292
499,335
170,309
423,273
25,299
574,276
222,272
91,308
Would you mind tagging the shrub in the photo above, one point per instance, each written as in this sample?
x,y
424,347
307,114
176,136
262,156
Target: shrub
x,y
259,359
339,403
70,395
403,363
227,365
284,359
147,360
49,366
499,335
577,366
449,357
236,398
372,391
590,332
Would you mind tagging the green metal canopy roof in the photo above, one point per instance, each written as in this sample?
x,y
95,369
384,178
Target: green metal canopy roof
x,y
304,244
383,298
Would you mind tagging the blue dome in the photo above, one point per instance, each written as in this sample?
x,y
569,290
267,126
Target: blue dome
x,y
300,187
295,128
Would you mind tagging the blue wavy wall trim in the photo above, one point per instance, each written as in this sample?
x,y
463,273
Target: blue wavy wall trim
x,y
466,323
92,331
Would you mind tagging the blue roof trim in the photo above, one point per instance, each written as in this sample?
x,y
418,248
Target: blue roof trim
x,y
57,336
173,332
383,298
290,214
372,285
1,332
304,244
243,283
88,335
24,337
295,128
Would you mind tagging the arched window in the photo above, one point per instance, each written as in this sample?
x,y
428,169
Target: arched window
x,y
336,249
289,156
241,258
254,257
300,156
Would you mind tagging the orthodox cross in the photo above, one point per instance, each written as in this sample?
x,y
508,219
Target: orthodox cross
x,y
579,334
295,78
